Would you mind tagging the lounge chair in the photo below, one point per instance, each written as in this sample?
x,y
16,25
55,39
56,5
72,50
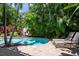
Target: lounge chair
x,y
69,42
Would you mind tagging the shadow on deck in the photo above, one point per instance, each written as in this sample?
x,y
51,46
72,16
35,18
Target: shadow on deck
x,y
12,51
73,53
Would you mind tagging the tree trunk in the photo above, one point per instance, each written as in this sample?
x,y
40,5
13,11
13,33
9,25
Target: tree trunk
x,y
4,18
14,27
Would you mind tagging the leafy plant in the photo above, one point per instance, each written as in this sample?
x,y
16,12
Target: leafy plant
x,y
51,20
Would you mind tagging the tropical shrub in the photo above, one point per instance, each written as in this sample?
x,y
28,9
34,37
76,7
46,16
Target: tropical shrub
x,y
55,20
47,20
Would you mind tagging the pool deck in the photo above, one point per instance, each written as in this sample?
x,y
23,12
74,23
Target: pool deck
x,y
38,50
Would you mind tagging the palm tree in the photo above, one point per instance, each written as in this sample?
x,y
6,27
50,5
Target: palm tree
x,y
4,18
17,12
8,43
15,25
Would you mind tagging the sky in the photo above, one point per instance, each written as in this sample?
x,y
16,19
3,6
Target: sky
x,y
25,8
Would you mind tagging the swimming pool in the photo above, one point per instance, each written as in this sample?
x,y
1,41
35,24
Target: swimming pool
x,y
27,41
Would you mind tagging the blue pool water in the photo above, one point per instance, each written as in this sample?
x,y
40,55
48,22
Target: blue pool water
x,y
27,41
